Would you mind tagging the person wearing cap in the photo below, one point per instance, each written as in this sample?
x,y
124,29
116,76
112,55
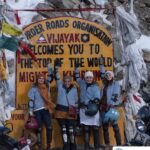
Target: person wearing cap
x,y
89,116
41,106
67,96
110,99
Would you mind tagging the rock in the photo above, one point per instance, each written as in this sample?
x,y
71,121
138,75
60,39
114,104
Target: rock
x,y
147,3
84,14
147,19
37,18
49,14
147,57
64,3
142,5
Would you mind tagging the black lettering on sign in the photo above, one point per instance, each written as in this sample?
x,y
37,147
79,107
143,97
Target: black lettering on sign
x,y
93,30
76,49
26,63
44,61
18,117
50,49
57,24
74,61
94,48
94,62
34,31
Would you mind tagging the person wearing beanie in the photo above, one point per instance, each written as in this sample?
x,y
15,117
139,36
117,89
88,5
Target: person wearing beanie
x,y
89,113
67,97
41,106
110,99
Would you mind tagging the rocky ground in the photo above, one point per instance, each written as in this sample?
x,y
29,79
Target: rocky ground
x,y
81,148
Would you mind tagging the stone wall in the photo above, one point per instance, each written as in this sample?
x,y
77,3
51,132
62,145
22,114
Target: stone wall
x,y
142,9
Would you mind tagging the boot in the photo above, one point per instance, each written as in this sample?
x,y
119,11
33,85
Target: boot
x,y
39,139
48,147
66,146
117,134
107,147
73,146
86,141
40,147
96,137
106,133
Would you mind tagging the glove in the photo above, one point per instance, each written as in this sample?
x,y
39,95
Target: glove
x,y
57,62
97,62
77,65
96,101
114,97
49,68
101,61
31,113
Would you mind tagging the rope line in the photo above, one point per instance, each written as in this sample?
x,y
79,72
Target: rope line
x,y
63,10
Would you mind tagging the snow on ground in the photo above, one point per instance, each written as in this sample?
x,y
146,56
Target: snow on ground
x,y
101,2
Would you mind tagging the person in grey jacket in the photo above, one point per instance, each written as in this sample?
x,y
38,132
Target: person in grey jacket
x,y
110,99
40,104
89,93
67,95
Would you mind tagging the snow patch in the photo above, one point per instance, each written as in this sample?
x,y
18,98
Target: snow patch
x,y
144,42
9,55
26,17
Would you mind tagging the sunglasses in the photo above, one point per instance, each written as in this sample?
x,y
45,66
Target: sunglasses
x,y
41,78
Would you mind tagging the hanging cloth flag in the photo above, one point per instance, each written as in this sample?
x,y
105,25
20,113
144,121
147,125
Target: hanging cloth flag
x,y
26,48
3,75
10,30
11,16
18,56
17,17
4,58
10,43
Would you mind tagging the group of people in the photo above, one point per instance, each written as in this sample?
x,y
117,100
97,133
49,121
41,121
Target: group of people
x,y
94,107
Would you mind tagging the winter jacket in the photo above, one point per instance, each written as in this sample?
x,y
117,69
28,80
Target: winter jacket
x,y
63,95
87,92
36,101
113,90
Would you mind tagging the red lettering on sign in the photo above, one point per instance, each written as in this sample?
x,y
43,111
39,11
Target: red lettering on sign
x,y
18,117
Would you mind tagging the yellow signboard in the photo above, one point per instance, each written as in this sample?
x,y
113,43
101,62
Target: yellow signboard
x,y
69,39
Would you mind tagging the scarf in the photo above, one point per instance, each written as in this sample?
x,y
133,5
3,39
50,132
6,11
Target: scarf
x,y
45,95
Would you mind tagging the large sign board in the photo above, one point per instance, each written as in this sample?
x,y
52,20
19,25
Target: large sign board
x,y
69,39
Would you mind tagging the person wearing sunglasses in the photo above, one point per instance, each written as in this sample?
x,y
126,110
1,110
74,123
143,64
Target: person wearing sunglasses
x,y
66,107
